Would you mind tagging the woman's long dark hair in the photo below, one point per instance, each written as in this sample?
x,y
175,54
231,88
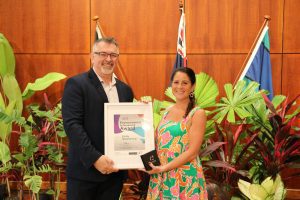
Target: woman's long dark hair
x,y
191,74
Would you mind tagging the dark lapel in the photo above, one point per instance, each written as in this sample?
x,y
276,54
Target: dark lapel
x,y
96,82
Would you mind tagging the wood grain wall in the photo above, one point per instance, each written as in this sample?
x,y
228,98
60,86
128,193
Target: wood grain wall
x,y
57,36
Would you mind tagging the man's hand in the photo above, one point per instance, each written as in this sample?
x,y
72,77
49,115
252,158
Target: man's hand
x,y
105,165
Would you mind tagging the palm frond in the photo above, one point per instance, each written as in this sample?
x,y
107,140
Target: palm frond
x,y
206,90
236,100
169,93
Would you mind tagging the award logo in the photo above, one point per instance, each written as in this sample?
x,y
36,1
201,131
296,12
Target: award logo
x,y
129,132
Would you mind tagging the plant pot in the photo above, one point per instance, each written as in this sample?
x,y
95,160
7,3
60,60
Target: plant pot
x,y
3,191
13,197
216,192
44,196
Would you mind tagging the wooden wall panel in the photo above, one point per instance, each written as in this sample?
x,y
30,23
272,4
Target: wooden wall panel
x,y
291,27
30,67
290,75
230,26
42,26
222,68
140,26
276,62
149,35
139,20
148,74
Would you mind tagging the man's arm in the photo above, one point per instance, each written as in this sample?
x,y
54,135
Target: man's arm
x,y
73,114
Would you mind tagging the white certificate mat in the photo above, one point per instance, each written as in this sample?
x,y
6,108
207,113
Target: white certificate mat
x,y
129,133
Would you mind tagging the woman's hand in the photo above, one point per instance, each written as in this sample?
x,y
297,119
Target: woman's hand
x,y
156,169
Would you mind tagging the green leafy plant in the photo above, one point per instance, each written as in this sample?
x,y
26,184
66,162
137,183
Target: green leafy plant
x,y
269,189
278,138
261,138
247,136
11,98
42,146
10,93
233,106
11,106
227,154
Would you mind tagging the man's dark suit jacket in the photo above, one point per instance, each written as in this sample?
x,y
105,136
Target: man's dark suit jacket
x,y
83,117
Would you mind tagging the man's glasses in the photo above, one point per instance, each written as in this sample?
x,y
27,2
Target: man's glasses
x,y
102,54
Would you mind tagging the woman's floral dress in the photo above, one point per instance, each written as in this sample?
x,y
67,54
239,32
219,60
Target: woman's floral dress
x,y
186,182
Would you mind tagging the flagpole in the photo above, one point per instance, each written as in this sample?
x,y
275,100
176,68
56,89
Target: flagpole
x,y
181,6
96,19
267,18
119,66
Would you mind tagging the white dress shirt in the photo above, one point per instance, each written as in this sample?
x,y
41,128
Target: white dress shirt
x,y
110,89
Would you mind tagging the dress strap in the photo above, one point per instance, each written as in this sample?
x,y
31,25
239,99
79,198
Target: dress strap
x,y
165,113
192,112
188,120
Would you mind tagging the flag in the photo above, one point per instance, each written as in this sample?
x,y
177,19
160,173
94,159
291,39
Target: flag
x,y
258,67
181,60
98,34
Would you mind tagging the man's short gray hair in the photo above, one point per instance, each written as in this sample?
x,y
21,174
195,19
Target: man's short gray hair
x,y
108,40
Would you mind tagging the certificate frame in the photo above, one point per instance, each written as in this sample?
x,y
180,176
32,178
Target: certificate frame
x,y
128,134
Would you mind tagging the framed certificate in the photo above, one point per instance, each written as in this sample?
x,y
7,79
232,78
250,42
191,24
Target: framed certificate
x,y
129,133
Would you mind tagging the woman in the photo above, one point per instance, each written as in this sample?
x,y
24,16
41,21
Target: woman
x,y
178,140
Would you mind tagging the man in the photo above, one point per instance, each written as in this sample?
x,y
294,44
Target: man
x,y
90,174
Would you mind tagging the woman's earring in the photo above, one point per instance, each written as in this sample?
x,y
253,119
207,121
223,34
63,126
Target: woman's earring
x,y
192,94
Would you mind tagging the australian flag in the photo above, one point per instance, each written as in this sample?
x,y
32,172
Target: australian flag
x,y
181,60
98,34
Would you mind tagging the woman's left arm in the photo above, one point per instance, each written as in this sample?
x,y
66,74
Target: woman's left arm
x,y
195,134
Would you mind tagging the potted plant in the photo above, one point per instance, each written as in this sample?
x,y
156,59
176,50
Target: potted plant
x,y
42,148
227,153
11,101
260,137
278,140
6,166
10,104
47,122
